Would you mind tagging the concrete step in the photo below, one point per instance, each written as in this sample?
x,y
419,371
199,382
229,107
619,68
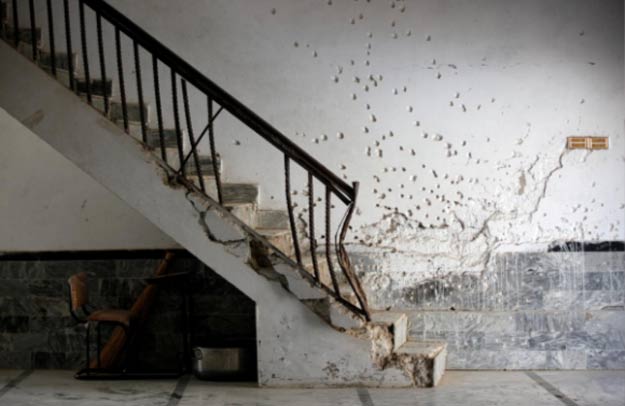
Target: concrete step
x,y
279,238
25,35
232,192
169,138
97,102
273,219
426,361
134,129
322,264
133,109
98,87
62,76
61,60
206,165
246,212
396,321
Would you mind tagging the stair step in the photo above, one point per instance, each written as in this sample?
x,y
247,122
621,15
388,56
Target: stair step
x,y
246,212
430,357
233,193
206,165
133,109
25,35
279,238
98,87
397,321
97,102
324,270
62,75
169,138
277,219
61,61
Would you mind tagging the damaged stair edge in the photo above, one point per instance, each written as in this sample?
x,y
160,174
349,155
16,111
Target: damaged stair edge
x,y
198,199
423,367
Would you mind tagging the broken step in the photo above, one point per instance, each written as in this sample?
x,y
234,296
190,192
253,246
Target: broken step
x,y
397,322
279,238
394,322
424,361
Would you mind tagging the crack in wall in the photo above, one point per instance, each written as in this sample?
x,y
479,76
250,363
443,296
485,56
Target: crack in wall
x,y
201,218
546,181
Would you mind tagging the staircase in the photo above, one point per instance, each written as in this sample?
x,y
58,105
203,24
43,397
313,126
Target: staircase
x,y
314,323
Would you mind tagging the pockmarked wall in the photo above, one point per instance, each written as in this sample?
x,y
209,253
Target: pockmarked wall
x,y
452,115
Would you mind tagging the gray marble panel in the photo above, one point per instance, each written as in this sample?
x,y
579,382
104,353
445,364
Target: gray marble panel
x,y
606,359
516,359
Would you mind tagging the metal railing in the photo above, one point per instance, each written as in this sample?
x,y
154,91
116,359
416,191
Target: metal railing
x,y
217,100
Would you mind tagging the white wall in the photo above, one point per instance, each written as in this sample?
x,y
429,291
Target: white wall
x,y
528,74
48,204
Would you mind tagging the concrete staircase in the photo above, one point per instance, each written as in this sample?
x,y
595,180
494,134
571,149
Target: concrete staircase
x,y
249,246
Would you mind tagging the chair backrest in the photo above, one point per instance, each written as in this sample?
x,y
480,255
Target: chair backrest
x,y
78,294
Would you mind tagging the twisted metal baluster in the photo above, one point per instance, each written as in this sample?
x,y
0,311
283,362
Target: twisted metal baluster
x,y
328,219
343,258
289,205
311,225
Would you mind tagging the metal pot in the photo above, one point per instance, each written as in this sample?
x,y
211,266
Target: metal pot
x,y
220,363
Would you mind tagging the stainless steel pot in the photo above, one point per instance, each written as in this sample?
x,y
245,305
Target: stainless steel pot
x,y
220,363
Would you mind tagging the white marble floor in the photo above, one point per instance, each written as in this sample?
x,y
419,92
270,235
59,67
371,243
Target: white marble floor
x,y
574,388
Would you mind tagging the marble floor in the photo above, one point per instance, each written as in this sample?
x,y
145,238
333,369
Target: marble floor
x,y
572,388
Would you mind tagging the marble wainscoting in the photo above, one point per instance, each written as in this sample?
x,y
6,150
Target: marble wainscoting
x,y
546,310
36,330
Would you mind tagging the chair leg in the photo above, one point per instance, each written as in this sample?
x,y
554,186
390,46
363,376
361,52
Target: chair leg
x,y
87,348
99,348
127,347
